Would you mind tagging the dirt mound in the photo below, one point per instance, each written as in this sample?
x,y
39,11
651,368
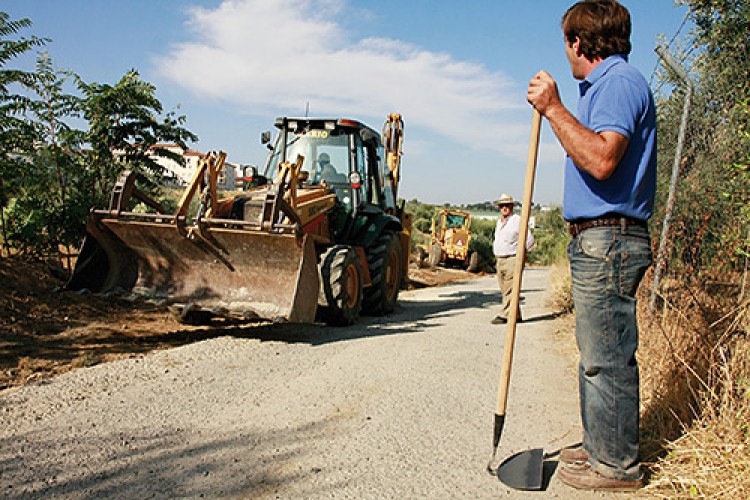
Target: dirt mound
x,y
423,277
46,331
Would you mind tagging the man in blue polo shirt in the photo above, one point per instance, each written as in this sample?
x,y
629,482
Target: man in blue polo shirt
x,y
610,181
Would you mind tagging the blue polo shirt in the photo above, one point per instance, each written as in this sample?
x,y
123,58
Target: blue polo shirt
x,y
615,97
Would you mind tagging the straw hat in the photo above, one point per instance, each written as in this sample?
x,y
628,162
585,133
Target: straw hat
x,y
506,199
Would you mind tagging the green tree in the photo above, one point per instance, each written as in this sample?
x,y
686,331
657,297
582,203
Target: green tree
x,y
710,215
52,173
124,124
13,132
551,238
16,136
485,206
422,213
482,239
42,210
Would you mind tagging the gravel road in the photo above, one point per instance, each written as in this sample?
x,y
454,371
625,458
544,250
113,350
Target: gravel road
x,y
394,407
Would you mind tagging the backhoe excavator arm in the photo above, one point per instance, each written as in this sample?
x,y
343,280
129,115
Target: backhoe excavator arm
x,y
393,135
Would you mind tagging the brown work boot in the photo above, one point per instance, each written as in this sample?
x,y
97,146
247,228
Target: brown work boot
x,y
574,455
585,477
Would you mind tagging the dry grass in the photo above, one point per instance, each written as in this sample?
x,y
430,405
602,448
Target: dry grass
x,y
712,458
695,382
694,357
560,298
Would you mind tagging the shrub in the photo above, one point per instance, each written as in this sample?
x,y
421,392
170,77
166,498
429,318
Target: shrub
x,y
482,237
551,236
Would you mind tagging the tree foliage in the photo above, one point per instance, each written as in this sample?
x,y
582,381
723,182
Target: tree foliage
x,y
14,132
124,124
551,237
711,212
422,214
51,173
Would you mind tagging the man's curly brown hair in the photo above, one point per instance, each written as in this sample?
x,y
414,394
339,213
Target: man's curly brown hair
x,y
602,26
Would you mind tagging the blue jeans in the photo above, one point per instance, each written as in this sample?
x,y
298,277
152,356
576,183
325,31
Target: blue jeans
x,y
606,267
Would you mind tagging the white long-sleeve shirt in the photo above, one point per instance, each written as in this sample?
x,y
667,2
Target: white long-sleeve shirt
x,y
506,236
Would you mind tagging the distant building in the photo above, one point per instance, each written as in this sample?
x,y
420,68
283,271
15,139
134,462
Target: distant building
x,y
496,215
485,215
177,174
181,175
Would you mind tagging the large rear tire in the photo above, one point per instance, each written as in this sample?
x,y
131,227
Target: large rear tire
x,y
384,262
340,299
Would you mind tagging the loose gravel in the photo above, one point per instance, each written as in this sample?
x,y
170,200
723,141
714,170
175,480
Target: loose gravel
x,y
393,407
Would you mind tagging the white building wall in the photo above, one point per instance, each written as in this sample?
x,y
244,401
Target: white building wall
x,y
181,174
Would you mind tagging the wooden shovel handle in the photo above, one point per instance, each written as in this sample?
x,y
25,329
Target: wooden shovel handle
x,y
510,335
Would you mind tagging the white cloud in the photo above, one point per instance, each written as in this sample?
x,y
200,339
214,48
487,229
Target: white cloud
x,y
269,57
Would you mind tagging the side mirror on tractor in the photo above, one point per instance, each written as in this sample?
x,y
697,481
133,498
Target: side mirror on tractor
x,y
265,138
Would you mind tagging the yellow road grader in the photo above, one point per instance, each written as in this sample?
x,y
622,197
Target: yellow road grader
x,y
320,238
450,236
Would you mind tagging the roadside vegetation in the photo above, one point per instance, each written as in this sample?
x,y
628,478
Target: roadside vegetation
x,y
550,231
694,320
52,172
695,351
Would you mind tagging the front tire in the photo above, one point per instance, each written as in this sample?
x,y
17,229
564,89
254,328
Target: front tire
x,y
340,299
473,262
384,262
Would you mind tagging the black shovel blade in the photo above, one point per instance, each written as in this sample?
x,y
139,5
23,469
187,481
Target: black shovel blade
x,y
523,471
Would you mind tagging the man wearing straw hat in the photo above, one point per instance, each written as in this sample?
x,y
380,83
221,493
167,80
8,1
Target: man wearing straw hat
x,y
504,247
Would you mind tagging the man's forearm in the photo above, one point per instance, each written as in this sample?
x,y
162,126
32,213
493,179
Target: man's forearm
x,y
595,154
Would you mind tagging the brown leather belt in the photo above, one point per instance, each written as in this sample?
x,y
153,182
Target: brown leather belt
x,y
576,227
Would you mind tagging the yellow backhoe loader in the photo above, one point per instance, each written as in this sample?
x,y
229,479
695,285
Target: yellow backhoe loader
x,y
321,237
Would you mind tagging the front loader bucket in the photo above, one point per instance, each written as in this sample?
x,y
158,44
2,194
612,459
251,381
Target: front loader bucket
x,y
234,271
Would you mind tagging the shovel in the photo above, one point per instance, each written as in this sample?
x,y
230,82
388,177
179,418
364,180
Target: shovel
x,y
523,470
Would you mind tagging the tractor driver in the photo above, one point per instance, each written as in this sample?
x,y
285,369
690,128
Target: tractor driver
x,y
327,171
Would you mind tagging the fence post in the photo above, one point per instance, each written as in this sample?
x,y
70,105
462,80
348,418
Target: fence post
x,y
660,256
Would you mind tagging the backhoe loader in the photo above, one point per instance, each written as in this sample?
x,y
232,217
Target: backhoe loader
x,y
320,237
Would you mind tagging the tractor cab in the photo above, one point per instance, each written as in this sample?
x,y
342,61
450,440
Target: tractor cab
x,y
336,153
342,155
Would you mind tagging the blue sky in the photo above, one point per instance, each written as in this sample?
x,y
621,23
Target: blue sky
x,y
456,71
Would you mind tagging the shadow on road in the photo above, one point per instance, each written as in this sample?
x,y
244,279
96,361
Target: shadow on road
x,y
410,317
544,317
65,331
174,463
